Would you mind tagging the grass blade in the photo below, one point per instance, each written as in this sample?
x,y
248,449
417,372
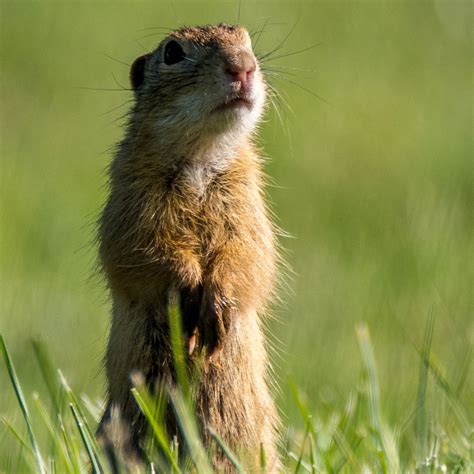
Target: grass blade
x,y
71,447
300,457
456,405
95,464
299,403
48,372
320,458
73,399
346,450
85,431
312,450
22,403
387,443
142,399
54,433
228,452
303,464
420,421
92,408
263,458
369,365
190,431
464,372
17,436
177,344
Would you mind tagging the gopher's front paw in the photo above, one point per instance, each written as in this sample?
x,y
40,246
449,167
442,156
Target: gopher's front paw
x,y
188,269
214,320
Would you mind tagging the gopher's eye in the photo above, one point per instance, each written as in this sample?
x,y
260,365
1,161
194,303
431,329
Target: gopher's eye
x,y
173,53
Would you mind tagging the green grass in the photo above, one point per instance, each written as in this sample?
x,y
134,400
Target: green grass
x,y
375,187
350,438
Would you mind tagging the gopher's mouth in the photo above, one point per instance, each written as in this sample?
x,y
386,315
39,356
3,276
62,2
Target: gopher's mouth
x,y
237,102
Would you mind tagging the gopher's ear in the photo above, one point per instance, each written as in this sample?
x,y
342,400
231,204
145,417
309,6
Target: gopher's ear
x,y
137,71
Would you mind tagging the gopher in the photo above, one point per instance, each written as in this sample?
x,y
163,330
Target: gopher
x,y
186,215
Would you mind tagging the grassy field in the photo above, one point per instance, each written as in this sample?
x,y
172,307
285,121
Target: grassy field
x,y
373,183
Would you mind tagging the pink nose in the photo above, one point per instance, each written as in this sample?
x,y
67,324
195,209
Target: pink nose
x,y
242,74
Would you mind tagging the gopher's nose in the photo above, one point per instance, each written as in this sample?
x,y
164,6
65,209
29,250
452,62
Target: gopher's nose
x,y
241,69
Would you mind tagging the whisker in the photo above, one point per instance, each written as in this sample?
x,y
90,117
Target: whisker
x,y
305,89
276,108
151,35
106,90
155,28
276,73
118,83
290,54
238,15
120,118
116,60
141,46
174,10
280,97
294,68
282,42
123,104
261,31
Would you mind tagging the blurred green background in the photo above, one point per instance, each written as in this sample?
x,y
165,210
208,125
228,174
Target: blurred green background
x,y
374,185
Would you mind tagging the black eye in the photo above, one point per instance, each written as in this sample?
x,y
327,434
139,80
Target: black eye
x,y
173,53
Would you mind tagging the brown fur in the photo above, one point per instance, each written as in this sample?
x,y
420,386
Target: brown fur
x,y
207,237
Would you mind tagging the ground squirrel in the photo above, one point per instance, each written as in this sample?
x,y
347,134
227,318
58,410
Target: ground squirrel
x,y
186,211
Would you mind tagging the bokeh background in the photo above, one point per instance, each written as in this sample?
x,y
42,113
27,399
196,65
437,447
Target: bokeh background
x,y
373,183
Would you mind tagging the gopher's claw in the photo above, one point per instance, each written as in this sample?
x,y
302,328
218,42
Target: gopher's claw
x,y
212,329
191,344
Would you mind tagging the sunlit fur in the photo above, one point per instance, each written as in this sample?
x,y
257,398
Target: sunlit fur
x,y
186,213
